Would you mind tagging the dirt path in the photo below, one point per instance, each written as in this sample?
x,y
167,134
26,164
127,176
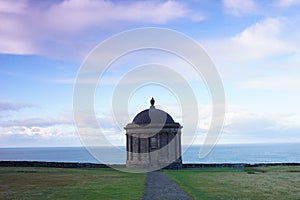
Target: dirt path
x,y
158,186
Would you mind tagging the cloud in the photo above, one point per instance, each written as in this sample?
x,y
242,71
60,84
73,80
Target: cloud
x,y
62,119
262,40
7,6
239,8
35,129
32,122
260,130
38,137
104,13
58,131
272,83
243,126
135,64
31,28
14,106
287,3
15,31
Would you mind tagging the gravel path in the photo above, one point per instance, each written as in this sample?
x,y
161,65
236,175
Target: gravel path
x,y
158,186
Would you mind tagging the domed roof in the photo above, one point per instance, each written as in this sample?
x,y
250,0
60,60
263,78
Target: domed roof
x,y
153,116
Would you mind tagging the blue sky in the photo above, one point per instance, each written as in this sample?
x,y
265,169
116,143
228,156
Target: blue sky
x,y
254,45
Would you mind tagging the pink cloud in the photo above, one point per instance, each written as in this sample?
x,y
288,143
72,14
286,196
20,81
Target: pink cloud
x,y
28,28
13,106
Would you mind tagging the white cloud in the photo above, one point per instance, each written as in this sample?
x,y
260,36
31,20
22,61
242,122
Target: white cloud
x,y
241,126
244,126
27,28
63,119
105,13
263,40
239,8
273,83
58,131
32,122
259,131
17,45
287,3
38,136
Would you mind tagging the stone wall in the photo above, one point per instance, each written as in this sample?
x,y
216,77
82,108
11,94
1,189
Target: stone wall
x,y
55,164
94,165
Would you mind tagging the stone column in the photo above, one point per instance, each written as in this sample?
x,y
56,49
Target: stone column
x,y
164,148
179,137
130,147
176,145
139,147
134,147
173,147
147,150
144,155
127,147
158,140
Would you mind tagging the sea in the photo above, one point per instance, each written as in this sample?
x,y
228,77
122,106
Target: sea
x,y
229,153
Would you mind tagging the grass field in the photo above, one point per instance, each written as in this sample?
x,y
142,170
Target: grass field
x,y
56,183
253,183
207,183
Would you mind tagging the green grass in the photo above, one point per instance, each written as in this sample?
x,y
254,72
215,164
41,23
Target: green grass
x,y
280,182
253,183
57,183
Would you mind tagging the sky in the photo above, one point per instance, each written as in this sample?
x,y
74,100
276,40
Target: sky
x,y
253,44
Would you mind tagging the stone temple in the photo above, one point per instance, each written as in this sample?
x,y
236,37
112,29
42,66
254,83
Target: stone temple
x,y
153,140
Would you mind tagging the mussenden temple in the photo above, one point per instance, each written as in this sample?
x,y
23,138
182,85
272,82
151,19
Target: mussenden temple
x,y
153,140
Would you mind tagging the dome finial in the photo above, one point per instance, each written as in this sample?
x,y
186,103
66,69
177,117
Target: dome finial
x,y
152,101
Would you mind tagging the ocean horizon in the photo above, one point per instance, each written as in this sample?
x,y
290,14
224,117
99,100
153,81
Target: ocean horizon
x,y
221,153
